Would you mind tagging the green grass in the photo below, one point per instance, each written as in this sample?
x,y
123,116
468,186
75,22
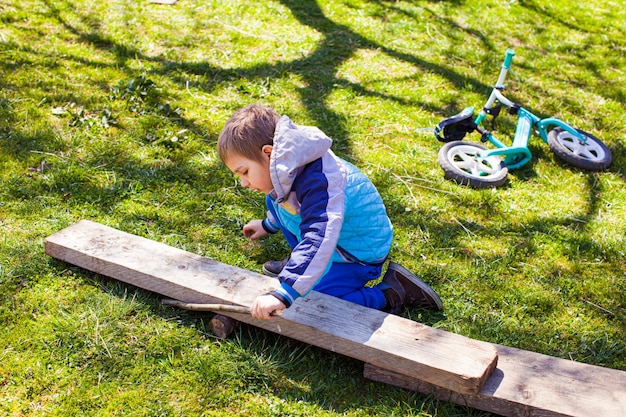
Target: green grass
x,y
110,111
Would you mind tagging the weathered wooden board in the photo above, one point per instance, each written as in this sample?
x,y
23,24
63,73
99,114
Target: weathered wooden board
x,y
389,342
528,384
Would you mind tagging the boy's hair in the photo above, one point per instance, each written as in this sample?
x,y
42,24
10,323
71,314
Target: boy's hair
x,y
247,131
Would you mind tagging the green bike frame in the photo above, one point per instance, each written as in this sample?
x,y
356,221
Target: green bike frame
x,y
517,154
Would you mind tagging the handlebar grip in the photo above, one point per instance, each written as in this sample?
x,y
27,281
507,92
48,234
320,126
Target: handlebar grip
x,y
508,58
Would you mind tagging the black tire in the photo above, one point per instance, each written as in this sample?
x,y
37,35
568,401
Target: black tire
x,y
460,163
591,156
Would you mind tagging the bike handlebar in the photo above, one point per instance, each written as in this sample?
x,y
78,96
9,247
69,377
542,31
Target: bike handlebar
x,y
508,58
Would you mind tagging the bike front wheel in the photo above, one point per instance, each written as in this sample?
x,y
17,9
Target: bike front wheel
x,y
462,162
591,155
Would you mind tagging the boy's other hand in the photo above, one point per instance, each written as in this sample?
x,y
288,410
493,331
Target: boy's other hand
x,y
254,230
264,305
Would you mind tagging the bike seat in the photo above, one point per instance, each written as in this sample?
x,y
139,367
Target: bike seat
x,y
456,127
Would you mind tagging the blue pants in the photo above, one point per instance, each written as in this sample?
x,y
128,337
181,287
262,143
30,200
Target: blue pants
x,y
344,280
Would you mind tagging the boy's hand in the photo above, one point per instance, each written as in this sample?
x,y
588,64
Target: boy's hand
x,y
264,305
254,230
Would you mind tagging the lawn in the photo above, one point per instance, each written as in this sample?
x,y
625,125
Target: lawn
x,y
110,110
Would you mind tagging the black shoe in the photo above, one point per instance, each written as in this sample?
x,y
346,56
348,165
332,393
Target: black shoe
x,y
273,268
395,300
408,288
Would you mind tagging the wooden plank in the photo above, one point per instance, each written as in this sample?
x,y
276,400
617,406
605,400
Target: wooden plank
x,y
386,341
528,384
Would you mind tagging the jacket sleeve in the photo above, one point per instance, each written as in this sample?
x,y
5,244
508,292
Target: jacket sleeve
x,y
320,190
269,223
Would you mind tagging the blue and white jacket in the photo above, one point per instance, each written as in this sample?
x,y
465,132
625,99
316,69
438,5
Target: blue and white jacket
x,y
332,208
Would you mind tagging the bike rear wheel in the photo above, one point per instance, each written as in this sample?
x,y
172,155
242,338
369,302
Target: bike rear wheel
x,y
461,162
592,155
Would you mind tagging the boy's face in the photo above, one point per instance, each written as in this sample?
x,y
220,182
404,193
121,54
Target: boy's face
x,y
253,174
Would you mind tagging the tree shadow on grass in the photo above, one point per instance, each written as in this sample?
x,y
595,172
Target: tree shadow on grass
x,y
319,73
318,70
340,371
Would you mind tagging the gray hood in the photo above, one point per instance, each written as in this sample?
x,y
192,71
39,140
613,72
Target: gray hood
x,y
294,147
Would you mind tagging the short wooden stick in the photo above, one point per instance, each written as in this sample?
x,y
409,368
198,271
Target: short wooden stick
x,y
223,308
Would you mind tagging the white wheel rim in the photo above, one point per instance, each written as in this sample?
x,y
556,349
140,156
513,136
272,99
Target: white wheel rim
x,y
589,150
467,159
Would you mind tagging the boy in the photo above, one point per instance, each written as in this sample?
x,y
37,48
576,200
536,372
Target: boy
x,y
330,214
